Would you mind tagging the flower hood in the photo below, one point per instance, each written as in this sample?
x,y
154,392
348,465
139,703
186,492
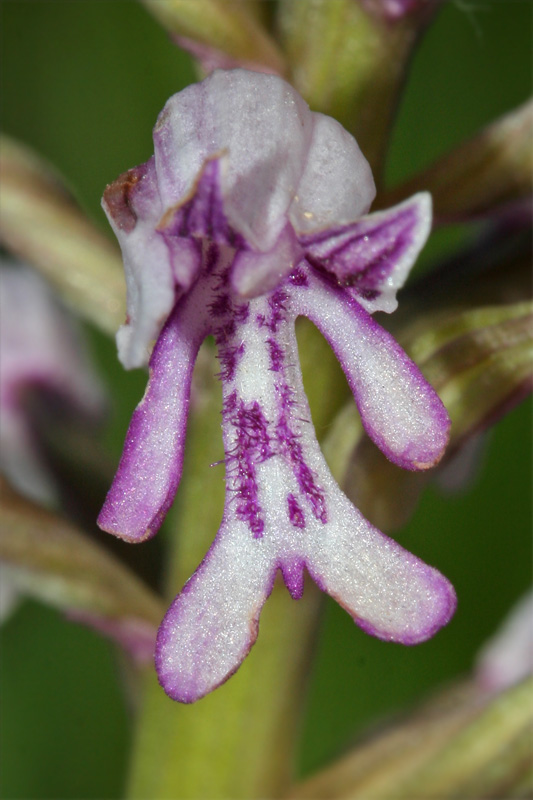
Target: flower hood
x,y
283,172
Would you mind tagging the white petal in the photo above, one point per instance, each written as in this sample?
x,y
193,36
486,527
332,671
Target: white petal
x,y
264,127
337,186
389,592
211,626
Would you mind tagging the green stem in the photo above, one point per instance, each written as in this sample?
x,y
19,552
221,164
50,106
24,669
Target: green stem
x,y
239,742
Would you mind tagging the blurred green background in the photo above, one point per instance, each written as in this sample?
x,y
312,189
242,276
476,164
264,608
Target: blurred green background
x,y
83,82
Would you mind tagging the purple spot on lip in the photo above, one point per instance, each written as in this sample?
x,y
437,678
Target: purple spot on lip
x,y
298,278
277,311
252,446
229,356
292,448
276,355
296,515
292,570
229,353
221,305
240,312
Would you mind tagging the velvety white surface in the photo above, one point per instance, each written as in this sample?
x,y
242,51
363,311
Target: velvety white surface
x,y
399,409
212,624
337,185
151,463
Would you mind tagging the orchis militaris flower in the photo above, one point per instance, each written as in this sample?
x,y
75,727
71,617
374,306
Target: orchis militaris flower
x,y
250,214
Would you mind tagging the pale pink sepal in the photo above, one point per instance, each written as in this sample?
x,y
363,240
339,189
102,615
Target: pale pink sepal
x,y
372,257
508,656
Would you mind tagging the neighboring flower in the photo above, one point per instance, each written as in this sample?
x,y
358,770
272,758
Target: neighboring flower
x,y
41,353
508,656
395,10
250,214
41,356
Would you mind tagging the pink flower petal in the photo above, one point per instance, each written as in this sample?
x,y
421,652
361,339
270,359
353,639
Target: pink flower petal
x,y
399,409
373,256
41,349
151,463
337,185
133,207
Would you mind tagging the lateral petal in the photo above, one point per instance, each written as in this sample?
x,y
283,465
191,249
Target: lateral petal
x,y
150,467
372,257
337,185
400,410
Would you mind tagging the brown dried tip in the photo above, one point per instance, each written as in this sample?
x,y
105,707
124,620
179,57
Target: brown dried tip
x,y
117,199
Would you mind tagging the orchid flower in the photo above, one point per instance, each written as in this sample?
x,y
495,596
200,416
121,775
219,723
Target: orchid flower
x,y
41,350
252,212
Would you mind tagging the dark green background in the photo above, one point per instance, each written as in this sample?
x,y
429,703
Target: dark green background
x,y
83,82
